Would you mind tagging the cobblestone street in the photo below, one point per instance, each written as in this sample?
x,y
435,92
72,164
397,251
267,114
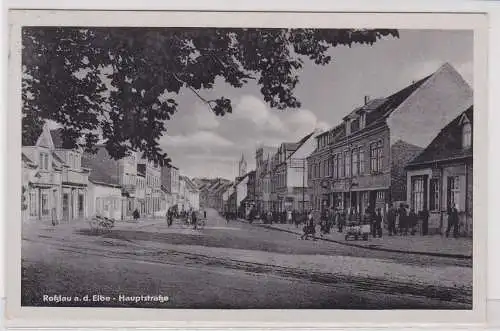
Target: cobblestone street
x,y
217,264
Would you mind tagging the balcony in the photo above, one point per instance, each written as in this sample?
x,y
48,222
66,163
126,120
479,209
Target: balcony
x,y
75,177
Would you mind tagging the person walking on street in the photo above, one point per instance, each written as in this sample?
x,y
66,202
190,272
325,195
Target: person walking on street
x,y
452,221
205,214
391,219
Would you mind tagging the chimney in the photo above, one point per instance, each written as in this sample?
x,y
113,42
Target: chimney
x,y
367,99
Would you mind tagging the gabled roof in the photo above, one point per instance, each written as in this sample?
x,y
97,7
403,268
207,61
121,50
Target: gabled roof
x,y
104,170
28,161
57,138
301,142
448,143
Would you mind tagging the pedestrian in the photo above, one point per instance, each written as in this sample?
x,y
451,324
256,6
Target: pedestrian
x,y
391,219
413,221
452,221
378,223
424,216
136,215
194,220
205,214
289,217
403,220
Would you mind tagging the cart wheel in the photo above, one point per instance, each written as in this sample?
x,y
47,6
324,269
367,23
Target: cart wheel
x,y
365,237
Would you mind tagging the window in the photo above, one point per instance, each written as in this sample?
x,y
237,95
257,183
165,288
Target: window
x,y
417,193
361,161
453,191
380,196
33,211
467,135
373,157
45,204
335,166
434,195
341,166
347,163
379,156
44,161
355,162
309,169
376,156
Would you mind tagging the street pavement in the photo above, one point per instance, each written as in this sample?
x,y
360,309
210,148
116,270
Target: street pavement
x,y
232,265
435,245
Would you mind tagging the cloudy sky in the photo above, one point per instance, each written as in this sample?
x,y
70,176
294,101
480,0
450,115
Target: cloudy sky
x,y
202,144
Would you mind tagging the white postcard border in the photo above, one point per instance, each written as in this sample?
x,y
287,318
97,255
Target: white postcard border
x,y
17,316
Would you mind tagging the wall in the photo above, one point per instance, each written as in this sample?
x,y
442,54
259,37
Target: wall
x,y
111,196
241,191
435,104
401,154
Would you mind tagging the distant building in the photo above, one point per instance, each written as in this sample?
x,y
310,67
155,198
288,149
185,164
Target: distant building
x,y
361,162
170,183
442,175
153,186
242,166
141,190
262,155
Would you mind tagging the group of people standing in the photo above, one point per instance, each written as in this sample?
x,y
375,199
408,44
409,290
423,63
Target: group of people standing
x,y
402,220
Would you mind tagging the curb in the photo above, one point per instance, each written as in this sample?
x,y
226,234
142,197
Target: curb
x,y
453,256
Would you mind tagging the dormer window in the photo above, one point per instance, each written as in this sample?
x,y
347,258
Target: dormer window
x,y
466,135
362,121
347,127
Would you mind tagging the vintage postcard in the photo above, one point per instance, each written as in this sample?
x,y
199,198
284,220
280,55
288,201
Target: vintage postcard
x,y
287,167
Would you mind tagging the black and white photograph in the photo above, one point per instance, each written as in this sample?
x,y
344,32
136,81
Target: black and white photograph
x,y
247,168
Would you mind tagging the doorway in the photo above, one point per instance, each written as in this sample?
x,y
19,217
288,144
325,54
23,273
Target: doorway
x,y
65,207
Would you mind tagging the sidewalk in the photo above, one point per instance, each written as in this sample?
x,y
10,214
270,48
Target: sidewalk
x,y
421,245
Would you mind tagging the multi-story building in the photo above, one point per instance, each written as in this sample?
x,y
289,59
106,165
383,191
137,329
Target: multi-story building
x,y
140,194
153,187
42,179
286,186
361,163
262,155
113,173
266,185
192,194
57,183
74,179
442,175
170,182
251,189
